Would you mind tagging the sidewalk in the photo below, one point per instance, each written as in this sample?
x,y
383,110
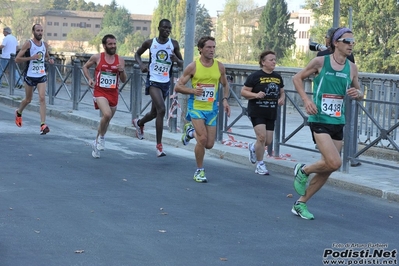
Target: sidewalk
x,y
366,179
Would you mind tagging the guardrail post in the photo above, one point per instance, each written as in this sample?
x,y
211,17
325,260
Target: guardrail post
x,y
221,115
11,73
277,135
355,132
51,84
76,80
135,92
348,133
172,104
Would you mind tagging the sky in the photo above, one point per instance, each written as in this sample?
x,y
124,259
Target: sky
x,y
148,6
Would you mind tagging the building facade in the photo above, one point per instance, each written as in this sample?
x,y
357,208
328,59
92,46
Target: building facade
x,y
57,24
303,21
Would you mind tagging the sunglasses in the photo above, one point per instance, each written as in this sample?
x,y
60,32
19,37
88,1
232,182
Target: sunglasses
x,y
347,40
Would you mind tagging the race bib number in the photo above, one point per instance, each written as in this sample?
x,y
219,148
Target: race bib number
x,y
208,93
162,68
38,67
108,80
332,105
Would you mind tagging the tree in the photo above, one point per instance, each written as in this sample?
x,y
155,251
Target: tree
x,y
116,21
234,29
132,43
203,24
19,16
114,30
77,39
375,27
274,33
93,7
173,10
118,17
180,19
376,30
73,5
60,4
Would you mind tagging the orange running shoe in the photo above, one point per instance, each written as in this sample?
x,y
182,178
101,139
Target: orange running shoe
x,y
18,119
44,129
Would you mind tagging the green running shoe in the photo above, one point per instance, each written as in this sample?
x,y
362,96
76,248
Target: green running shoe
x,y
199,176
301,210
300,179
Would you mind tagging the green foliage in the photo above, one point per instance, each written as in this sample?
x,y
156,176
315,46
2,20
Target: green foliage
x,y
76,5
114,30
180,19
234,29
298,59
76,39
18,15
173,10
274,33
96,42
375,27
131,44
116,21
118,17
203,25
60,4
376,46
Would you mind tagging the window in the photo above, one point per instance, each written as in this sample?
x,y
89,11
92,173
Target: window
x,y
49,23
48,34
56,23
65,24
82,25
55,34
73,25
138,28
304,20
97,26
145,29
88,25
303,35
64,35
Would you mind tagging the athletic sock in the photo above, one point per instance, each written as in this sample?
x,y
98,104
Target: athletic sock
x,y
191,133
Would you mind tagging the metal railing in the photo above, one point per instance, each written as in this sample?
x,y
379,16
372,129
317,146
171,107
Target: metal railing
x,y
371,123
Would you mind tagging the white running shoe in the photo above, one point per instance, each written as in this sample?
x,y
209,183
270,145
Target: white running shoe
x,y
95,153
252,154
160,152
261,169
101,143
139,129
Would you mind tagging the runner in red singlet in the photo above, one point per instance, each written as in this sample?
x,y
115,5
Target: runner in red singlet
x,y
110,69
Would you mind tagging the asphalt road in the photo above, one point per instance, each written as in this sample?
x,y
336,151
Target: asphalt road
x,y
60,206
